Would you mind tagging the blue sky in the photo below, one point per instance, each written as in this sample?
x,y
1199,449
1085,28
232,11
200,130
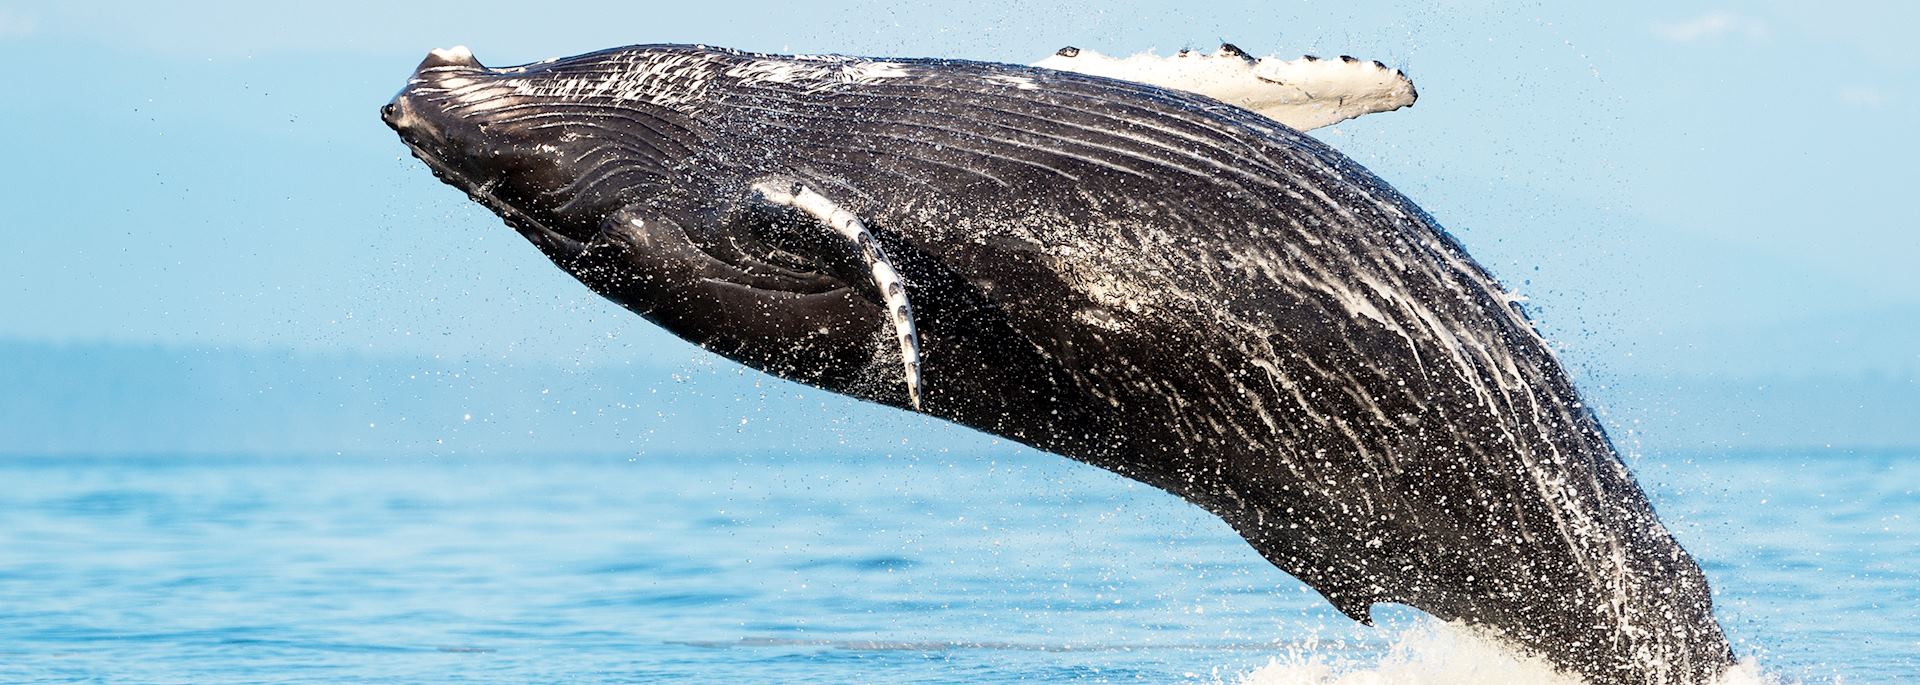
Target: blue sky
x,y
1692,195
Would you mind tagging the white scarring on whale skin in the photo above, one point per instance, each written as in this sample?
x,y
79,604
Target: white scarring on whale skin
x,y
820,73
893,288
1305,93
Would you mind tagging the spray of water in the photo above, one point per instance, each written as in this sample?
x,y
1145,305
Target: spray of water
x,y
1436,653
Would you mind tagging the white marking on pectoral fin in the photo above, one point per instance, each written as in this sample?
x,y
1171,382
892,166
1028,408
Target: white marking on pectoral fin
x,y
893,288
1304,93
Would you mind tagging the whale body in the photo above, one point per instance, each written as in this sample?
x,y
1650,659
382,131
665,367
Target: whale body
x,y
1150,281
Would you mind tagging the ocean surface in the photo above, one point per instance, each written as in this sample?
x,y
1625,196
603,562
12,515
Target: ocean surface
x,y
917,567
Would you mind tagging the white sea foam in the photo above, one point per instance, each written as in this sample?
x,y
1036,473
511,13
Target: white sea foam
x,y
1437,654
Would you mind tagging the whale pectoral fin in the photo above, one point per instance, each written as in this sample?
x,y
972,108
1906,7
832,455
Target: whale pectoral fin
x,y
1336,90
848,234
1304,93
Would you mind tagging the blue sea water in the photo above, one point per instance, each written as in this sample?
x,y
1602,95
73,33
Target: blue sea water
x,y
763,568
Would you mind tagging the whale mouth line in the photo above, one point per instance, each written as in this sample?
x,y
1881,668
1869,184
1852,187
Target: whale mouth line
x,y
532,229
738,273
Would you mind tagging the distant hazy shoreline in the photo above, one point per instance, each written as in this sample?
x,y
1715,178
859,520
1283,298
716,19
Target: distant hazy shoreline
x,y
111,399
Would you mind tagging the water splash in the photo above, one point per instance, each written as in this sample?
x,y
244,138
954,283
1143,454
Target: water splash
x,y
1438,653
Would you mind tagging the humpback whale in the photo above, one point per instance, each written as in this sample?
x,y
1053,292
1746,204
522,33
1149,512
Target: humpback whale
x,y
1139,277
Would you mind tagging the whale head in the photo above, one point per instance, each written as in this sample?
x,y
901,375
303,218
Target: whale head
x,y
530,141
602,161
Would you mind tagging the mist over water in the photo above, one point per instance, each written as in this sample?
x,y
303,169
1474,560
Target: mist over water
x,y
919,566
